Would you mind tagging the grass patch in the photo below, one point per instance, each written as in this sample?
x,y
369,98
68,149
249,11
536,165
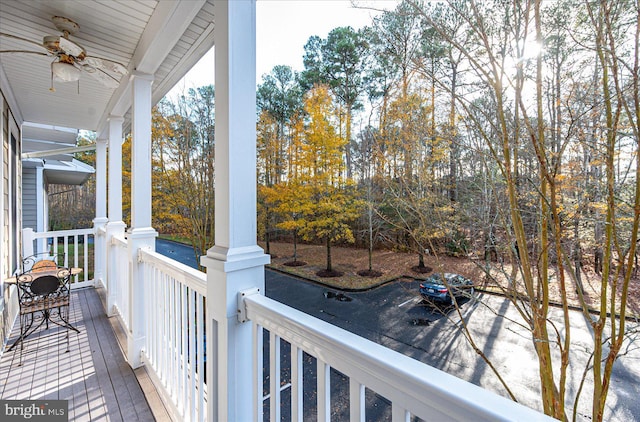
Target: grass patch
x,y
71,256
176,238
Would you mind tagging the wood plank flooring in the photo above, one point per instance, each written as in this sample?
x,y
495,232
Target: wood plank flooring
x,y
90,372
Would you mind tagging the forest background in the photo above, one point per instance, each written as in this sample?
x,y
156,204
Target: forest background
x,y
502,134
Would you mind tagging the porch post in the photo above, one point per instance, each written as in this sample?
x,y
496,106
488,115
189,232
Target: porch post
x,y
235,262
142,235
27,242
115,226
100,222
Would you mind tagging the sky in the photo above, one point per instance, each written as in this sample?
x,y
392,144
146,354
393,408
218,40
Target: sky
x,y
283,28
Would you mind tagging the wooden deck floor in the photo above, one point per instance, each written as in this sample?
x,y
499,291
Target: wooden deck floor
x,y
93,375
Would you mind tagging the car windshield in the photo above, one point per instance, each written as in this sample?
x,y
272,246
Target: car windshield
x,y
453,279
435,279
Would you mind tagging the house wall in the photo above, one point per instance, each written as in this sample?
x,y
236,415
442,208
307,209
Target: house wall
x,y
4,229
10,215
4,198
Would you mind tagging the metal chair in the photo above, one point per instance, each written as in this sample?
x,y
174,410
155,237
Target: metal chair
x,y
42,261
43,297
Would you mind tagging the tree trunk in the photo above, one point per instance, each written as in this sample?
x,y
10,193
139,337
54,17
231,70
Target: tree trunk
x,y
295,246
453,146
267,239
370,236
577,257
347,146
329,268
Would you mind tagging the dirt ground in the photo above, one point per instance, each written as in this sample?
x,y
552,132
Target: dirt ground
x,y
393,265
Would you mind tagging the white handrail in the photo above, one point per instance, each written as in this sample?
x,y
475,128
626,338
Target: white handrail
x,y
412,387
60,233
119,241
185,274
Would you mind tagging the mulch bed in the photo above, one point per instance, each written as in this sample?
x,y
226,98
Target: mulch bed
x,y
295,263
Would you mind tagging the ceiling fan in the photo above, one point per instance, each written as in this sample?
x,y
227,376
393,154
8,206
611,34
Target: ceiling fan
x,y
70,59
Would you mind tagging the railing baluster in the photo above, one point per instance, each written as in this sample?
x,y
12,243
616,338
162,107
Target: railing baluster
x,y
159,316
356,401
85,261
258,372
171,343
75,255
296,384
85,264
191,336
66,250
177,339
164,370
184,336
153,309
324,391
148,308
274,371
399,414
202,407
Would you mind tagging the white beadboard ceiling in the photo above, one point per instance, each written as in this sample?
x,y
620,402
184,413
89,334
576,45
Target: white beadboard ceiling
x,y
164,38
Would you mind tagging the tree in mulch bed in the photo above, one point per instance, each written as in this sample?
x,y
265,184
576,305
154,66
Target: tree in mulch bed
x,y
421,269
295,263
369,273
329,273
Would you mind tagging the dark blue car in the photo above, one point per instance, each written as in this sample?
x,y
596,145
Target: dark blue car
x,y
434,288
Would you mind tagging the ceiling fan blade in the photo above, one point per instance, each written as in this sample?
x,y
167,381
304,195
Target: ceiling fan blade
x,y
105,65
40,46
25,52
103,77
71,49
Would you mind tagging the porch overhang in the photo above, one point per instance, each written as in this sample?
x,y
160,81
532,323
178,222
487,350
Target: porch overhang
x,y
72,172
161,38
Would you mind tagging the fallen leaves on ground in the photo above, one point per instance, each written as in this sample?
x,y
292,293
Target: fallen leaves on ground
x,y
393,265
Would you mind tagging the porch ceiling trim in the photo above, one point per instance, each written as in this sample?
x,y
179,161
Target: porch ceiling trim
x,y
58,151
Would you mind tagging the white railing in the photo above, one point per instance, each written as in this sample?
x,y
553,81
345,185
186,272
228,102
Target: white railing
x,y
76,245
174,351
412,388
120,252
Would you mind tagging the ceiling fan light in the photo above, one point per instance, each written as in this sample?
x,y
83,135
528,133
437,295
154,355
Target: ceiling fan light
x,y
65,72
51,43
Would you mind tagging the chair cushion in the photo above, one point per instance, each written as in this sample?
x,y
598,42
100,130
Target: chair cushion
x,y
44,265
45,285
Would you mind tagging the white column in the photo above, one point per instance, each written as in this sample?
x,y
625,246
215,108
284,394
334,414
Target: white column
x,y
115,168
27,242
141,151
100,222
115,226
101,178
235,263
142,235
